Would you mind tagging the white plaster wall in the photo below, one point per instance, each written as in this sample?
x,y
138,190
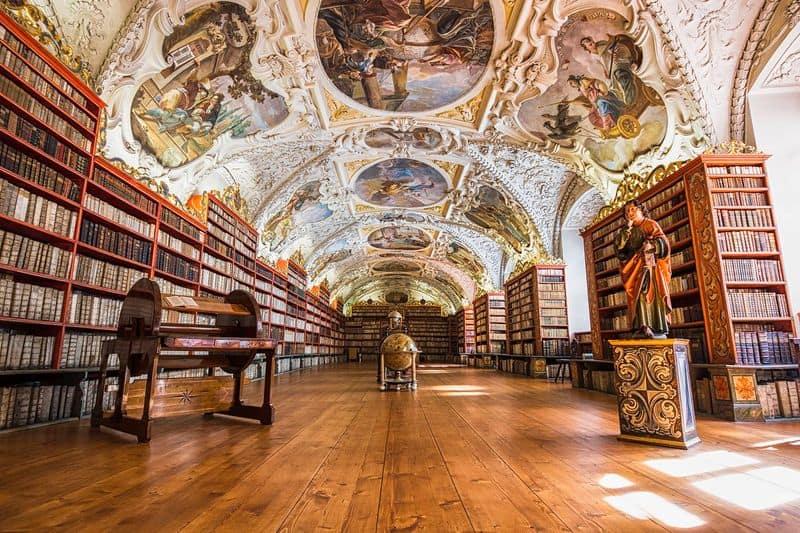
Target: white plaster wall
x,y
775,117
577,295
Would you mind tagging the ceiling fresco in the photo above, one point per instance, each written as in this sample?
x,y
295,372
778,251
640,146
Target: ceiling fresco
x,y
401,183
404,55
458,137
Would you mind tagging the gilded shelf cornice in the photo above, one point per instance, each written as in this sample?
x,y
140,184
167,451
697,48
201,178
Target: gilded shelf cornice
x,y
41,28
634,185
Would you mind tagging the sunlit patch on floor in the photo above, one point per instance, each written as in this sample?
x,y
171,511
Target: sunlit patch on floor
x,y
755,490
702,463
465,393
614,481
646,505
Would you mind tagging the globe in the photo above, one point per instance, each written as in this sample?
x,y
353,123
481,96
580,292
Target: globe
x,y
398,350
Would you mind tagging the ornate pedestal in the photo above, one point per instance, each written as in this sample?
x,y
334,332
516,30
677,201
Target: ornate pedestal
x,y
654,396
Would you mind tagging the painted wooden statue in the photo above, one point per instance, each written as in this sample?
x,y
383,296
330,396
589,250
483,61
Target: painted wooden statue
x,y
643,251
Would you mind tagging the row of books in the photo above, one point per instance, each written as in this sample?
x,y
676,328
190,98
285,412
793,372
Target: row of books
x,y
216,281
168,287
555,332
21,204
608,264
84,350
737,199
106,210
743,218
43,139
42,85
554,321
685,282
610,281
219,246
32,403
223,236
26,101
29,254
177,266
763,347
737,183
690,313
37,172
679,215
747,241
224,266
679,258
176,244
11,41
111,240
780,398
124,190
679,234
746,303
752,270
616,320
612,299
243,276
179,223
555,347
735,169
103,274
21,350
654,202
31,302
662,208
89,309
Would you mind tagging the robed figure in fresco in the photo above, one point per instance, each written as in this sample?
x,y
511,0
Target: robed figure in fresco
x,y
643,251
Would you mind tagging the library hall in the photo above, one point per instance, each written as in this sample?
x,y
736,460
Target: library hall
x,y
399,265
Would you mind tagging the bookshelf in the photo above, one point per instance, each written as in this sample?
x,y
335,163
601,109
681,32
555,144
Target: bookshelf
x,y
77,232
536,314
365,329
464,332
728,292
490,324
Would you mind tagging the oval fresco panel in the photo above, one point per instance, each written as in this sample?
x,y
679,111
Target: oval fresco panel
x,y
399,238
208,89
389,138
396,266
403,55
599,100
401,183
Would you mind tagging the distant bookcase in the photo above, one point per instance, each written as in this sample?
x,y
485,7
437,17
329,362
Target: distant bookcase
x,y
728,288
465,329
490,323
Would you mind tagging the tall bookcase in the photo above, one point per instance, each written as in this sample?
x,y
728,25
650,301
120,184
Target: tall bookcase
x,y
430,330
490,323
536,315
77,232
728,289
465,329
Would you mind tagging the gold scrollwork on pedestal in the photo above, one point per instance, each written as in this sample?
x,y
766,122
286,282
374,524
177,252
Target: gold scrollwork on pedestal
x,y
647,393
716,311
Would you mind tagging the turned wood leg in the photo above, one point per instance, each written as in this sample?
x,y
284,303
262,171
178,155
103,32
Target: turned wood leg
x,y
266,404
97,413
144,432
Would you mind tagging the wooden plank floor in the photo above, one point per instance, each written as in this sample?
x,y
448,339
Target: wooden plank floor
x,y
471,450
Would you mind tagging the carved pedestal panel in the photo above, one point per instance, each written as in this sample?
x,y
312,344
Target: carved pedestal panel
x,y
654,397
734,394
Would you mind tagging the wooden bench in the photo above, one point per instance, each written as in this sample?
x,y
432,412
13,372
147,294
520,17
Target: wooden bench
x,y
144,344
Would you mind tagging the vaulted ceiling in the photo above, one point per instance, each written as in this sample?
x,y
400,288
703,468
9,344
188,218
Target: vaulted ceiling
x,y
425,148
